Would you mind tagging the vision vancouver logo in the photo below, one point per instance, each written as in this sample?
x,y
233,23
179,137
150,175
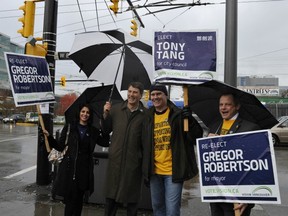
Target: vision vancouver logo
x,y
262,191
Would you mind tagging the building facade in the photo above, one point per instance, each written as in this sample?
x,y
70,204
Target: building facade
x,y
259,85
258,81
6,46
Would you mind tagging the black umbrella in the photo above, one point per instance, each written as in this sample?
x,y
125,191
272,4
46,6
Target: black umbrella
x,y
113,57
96,97
204,101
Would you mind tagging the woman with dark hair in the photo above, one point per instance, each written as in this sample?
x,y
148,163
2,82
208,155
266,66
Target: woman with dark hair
x,y
75,174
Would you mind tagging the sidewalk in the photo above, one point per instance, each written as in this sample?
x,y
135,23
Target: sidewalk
x,y
35,200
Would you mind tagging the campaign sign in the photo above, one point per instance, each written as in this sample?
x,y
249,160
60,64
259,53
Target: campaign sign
x,y
30,79
238,168
184,57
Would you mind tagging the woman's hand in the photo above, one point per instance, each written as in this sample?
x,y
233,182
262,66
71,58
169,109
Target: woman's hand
x,y
45,132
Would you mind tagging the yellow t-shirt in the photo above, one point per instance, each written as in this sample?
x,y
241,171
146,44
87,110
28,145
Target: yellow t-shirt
x,y
226,126
162,146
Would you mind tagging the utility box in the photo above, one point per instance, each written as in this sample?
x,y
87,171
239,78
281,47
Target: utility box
x,y
100,168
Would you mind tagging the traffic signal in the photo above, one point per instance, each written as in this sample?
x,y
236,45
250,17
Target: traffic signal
x,y
114,7
134,28
27,19
63,81
37,49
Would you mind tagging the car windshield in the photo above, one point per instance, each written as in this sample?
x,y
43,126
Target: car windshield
x,y
282,118
284,123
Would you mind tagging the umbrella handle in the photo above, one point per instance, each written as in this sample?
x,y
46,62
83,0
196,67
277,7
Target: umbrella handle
x,y
111,93
110,96
185,97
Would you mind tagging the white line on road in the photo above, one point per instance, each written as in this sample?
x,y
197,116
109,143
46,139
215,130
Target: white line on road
x,y
19,138
21,172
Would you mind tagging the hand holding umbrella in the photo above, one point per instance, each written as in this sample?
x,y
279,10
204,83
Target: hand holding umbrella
x,y
106,109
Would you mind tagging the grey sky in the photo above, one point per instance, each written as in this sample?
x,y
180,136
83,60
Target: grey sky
x,y
262,30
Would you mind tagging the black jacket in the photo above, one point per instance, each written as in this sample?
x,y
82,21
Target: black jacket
x,y
67,172
240,125
184,164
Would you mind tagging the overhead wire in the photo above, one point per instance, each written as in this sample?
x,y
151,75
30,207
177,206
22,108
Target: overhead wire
x,y
110,13
262,54
97,17
81,15
150,13
112,16
178,15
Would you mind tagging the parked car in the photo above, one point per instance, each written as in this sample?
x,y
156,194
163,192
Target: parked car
x,y
59,120
32,117
14,118
280,132
282,118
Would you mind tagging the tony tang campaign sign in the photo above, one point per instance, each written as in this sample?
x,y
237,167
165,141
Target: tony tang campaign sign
x,y
30,79
184,57
238,168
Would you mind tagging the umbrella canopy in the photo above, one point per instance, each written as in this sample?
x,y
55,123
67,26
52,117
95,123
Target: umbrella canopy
x,y
107,55
96,97
204,101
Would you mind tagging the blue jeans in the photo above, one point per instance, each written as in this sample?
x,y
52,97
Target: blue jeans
x,y
165,195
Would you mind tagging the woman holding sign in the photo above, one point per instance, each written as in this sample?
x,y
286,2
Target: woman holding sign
x,y
75,173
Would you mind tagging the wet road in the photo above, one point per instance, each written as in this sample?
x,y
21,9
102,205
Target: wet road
x,y
21,196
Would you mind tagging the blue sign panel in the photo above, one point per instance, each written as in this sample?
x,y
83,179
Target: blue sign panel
x,y
30,79
238,167
184,56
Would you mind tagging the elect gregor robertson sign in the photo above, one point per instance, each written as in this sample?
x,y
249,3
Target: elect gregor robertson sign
x,y
30,79
238,168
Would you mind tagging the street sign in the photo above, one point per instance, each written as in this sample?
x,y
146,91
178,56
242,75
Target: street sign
x,y
62,56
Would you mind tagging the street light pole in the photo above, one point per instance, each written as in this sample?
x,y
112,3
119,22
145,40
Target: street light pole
x,y
49,37
230,64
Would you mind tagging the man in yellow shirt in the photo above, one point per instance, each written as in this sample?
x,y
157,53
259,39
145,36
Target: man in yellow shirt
x,y
169,157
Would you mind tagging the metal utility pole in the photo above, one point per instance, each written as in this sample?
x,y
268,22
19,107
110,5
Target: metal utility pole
x,y
49,37
230,61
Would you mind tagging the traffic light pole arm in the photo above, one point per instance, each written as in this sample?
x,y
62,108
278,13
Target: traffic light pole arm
x,y
136,14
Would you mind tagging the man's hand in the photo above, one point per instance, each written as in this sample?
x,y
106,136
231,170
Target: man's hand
x,y
186,112
106,109
212,134
241,207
